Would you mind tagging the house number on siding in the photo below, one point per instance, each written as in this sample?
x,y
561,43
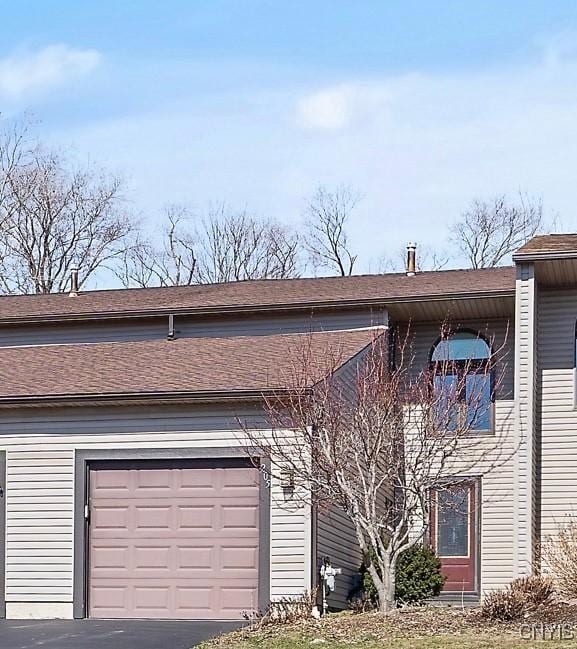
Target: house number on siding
x,y
265,475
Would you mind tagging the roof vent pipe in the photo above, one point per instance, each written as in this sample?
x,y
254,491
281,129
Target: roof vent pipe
x,y
411,259
73,282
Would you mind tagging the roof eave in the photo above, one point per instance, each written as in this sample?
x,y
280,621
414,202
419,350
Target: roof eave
x,y
548,255
470,295
267,308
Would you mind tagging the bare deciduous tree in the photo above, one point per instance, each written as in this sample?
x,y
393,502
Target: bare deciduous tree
x,y
327,214
225,247
172,263
379,447
53,217
237,246
490,231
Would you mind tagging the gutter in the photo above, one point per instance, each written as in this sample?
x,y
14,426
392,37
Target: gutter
x,y
220,396
550,255
244,309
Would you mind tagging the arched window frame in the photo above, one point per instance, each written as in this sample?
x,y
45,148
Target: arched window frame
x,y
471,367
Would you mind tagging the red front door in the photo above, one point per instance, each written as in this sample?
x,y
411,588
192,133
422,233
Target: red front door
x,y
453,535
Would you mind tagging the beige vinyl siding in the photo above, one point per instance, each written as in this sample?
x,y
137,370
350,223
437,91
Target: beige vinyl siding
x,y
40,449
337,540
336,536
190,326
526,363
558,461
495,464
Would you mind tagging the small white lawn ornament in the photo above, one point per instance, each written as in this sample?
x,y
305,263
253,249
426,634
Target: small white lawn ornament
x,y
328,574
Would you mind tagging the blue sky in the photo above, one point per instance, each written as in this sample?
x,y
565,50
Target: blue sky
x,y
421,105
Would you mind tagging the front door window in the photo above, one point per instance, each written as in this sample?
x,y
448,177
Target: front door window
x,y
453,522
453,535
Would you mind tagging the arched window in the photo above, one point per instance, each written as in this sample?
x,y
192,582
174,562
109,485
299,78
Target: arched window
x,y
460,367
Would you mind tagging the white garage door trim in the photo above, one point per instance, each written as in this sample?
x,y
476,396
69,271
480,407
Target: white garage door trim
x,y
83,459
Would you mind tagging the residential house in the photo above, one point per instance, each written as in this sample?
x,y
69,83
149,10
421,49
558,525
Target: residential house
x,y
127,490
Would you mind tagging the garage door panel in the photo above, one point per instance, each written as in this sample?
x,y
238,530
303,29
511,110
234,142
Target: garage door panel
x,y
234,481
238,559
111,517
153,482
239,517
229,482
198,517
110,483
110,559
197,601
221,600
154,558
174,543
196,558
150,559
150,600
198,483
152,519
234,598
114,599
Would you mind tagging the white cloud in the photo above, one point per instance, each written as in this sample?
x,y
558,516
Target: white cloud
x,y
29,72
337,107
418,146
327,109
422,146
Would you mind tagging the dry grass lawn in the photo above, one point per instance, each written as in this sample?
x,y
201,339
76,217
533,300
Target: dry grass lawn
x,y
424,628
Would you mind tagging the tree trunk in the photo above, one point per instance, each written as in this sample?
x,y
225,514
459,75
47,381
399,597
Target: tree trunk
x,y
387,602
384,585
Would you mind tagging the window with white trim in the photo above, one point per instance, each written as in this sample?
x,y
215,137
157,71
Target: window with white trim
x,y
468,357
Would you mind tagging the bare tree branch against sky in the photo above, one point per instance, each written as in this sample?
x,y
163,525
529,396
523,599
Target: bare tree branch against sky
x,y
54,217
328,217
488,232
259,107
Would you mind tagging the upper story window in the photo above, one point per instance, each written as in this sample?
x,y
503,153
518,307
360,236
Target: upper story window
x,y
460,364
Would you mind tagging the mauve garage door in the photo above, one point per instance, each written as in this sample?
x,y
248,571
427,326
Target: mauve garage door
x,y
173,540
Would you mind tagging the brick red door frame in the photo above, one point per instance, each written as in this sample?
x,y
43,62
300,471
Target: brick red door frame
x,y
474,534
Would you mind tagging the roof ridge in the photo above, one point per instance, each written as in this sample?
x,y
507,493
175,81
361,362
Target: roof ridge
x,y
255,295
215,285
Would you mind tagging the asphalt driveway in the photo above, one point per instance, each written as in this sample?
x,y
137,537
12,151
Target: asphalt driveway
x,y
112,634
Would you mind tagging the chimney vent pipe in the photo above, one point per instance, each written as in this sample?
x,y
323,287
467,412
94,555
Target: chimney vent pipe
x,y
411,259
73,282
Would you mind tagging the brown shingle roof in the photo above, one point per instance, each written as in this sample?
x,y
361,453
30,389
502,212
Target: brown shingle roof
x,y
549,244
259,293
191,365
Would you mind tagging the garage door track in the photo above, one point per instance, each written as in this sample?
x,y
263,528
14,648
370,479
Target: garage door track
x,y
112,634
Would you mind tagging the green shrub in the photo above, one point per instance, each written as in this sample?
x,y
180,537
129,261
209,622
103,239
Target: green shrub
x,y
418,577
369,592
521,597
